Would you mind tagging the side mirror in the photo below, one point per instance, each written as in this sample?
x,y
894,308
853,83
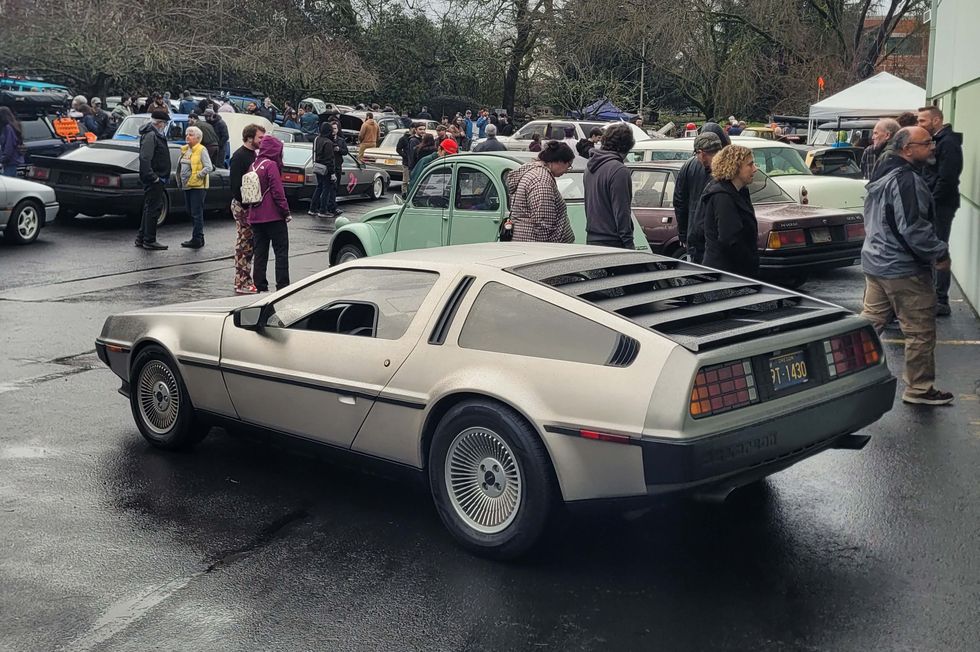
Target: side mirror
x,y
249,318
397,199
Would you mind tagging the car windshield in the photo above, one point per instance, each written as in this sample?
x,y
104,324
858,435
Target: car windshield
x,y
571,185
765,191
391,139
779,161
130,127
296,156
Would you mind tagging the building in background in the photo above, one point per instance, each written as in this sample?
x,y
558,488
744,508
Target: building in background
x,y
906,52
953,84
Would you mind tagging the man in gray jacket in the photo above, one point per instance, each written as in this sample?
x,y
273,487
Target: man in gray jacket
x,y
693,176
901,250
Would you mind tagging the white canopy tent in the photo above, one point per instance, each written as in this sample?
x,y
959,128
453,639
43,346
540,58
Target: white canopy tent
x,y
878,96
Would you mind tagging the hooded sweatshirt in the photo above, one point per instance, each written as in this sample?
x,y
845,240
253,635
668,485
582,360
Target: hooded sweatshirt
x,y
943,177
268,164
716,129
900,240
730,229
608,197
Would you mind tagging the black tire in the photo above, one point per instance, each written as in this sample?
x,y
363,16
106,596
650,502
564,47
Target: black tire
x,y
25,223
162,218
377,189
464,429
349,252
155,384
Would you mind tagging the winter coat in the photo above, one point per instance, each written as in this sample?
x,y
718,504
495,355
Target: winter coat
x,y
194,167
268,164
900,240
221,131
692,179
943,177
730,229
608,197
505,128
10,147
537,209
870,158
403,148
410,155
187,106
479,126
323,153
491,144
340,150
209,136
368,134
154,156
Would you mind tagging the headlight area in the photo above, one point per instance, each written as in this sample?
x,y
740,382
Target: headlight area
x,y
720,388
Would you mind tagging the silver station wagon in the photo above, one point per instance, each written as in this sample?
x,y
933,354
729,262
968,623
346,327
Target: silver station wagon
x,y
516,377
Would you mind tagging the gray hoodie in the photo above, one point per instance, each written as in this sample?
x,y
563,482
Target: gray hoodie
x,y
608,198
900,240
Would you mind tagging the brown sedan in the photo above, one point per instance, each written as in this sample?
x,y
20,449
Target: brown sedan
x,y
794,240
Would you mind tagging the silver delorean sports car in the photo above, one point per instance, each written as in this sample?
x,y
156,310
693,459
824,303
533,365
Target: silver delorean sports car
x,y
516,376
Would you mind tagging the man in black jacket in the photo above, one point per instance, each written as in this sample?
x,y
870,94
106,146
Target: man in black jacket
x,y
221,131
155,174
693,176
943,178
609,191
404,149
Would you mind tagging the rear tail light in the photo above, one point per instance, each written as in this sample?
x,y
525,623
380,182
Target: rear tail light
x,y
786,239
106,180
855,231
293,177
723,387
851,352
35,172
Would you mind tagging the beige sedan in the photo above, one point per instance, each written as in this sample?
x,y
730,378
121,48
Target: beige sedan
x,y
385,156
516,377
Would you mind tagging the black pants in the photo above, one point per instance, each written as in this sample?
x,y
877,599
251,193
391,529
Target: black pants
x,y
278,234
944,224
152,207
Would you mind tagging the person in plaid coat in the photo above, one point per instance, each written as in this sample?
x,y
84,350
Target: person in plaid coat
x,y
538,212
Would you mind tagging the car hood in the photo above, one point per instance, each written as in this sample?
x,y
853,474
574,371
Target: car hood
x,y
213,306
787,211
16,185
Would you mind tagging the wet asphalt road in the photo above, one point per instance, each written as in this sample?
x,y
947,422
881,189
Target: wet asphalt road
x,y
108,544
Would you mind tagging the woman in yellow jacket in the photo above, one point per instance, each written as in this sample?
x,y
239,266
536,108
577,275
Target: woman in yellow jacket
x,y
193,173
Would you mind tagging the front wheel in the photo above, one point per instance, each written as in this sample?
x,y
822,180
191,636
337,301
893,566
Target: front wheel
x,y
377,188
349,252
160,403
491,479
25,222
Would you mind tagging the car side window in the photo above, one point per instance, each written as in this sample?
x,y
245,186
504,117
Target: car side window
x,y
505,320
556,130
475,191
176,131
35,130
648,188
433,190
526,132
668,195
368,302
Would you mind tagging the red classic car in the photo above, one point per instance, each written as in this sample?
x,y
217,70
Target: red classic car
x,y
794,240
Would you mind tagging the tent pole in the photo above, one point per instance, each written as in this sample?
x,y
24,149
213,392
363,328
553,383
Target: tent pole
x,y
643,62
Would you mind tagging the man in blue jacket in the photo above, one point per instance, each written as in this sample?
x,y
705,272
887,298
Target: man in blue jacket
x,y
901,250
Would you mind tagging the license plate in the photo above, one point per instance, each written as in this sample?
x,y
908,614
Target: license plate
x,y
788,370
820,236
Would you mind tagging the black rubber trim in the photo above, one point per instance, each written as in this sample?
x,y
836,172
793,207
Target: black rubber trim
x,y
441,329
308,385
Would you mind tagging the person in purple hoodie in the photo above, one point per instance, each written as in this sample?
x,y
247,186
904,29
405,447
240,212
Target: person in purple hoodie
x,y
11,143
268,219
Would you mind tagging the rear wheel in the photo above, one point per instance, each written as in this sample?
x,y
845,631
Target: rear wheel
x,y
165,211
160,403
349,252
377,188
491,479
25,222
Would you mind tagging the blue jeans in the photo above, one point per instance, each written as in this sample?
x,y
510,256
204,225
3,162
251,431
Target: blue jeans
x,y
324,198
195,206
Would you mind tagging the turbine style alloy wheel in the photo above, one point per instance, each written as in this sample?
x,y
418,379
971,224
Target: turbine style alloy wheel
x,y
158,397
483,480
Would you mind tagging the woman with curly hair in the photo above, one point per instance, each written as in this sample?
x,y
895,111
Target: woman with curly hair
x,y
728,228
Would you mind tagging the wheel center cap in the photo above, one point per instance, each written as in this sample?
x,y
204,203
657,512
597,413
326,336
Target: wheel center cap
x,y
494,481
162,396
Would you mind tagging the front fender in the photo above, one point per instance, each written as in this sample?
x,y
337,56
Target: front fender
x,y
358,233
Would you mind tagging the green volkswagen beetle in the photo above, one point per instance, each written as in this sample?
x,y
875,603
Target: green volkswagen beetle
x,y
456,201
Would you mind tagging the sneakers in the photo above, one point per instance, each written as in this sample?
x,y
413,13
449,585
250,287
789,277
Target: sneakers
x,y
193,243
932,397
312,213
138,242
251,289
943,310
154,246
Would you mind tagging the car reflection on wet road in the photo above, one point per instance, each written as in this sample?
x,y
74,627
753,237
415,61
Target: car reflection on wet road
x,y
257,544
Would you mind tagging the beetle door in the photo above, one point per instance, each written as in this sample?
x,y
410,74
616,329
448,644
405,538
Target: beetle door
x,y
424,219
476,206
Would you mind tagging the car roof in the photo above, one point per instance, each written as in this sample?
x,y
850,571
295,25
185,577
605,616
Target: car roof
x,y
495,255
673,165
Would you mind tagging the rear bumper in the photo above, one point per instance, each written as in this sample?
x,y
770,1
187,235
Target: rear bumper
x,y
804,261
115,202
738,457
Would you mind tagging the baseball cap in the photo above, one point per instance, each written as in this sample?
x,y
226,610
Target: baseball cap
x,y
707,142
450,146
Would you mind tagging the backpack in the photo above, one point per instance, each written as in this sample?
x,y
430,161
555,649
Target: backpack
x,y
252,187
